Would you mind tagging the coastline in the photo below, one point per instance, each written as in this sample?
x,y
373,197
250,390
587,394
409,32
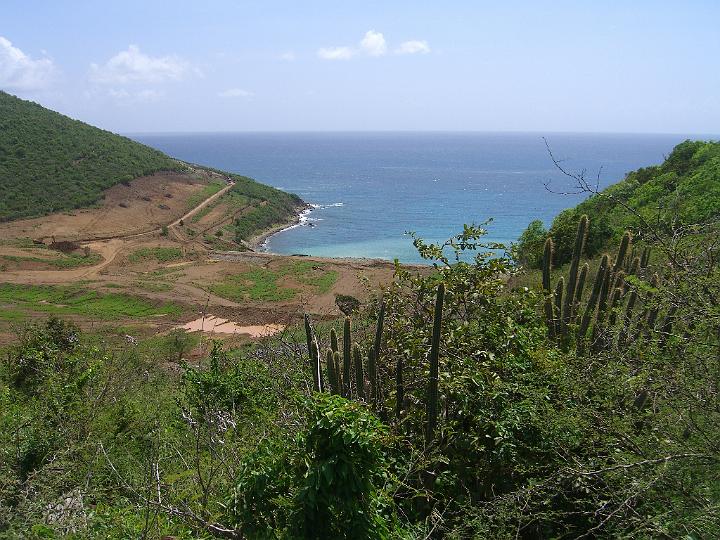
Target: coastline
x,y
256,242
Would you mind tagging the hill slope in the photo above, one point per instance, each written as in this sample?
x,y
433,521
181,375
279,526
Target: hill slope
x,y
683,190
49,162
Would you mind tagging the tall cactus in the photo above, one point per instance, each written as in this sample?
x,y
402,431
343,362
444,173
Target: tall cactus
x,y
379,331
645,258
582,278
313,353
594,297
627,320
359,376
334,341
372,375
432,393
332,372
547,265
623,251
346,357
572,283
557,307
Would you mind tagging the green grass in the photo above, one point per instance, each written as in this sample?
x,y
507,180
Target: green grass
x,y
60,300
161,254
206,192
157,286
262,283
63,262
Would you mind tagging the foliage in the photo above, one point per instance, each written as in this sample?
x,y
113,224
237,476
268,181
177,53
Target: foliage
x,y
651,202
263,283
63,300
530,244
160,254
50,163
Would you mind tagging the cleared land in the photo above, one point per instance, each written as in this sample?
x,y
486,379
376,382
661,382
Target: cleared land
x,y
133,267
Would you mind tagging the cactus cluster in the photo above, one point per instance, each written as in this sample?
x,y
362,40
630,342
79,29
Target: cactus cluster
x,y
612,301
341,369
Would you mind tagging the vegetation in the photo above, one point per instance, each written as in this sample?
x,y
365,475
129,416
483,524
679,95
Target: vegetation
x,y
653,203
66,300
50,163
160,254
454,405
262,283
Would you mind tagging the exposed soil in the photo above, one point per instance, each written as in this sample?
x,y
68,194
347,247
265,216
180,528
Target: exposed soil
x,y
185,281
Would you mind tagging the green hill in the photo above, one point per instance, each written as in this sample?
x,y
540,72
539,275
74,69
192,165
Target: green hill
x,y
683,190
50,163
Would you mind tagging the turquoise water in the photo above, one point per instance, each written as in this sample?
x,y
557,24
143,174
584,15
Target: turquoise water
x,y
370,188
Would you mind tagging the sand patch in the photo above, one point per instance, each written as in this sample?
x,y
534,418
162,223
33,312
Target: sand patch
x,y
224,326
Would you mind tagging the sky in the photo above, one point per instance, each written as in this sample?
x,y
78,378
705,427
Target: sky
x,y
343,65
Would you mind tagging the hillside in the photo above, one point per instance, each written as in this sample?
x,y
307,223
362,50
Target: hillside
x,y
683,190
49,162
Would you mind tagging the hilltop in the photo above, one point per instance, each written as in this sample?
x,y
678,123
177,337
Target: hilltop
x,y
683,190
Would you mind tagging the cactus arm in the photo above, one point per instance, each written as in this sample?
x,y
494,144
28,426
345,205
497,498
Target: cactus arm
x,y
547,265
359,378
346,357
573,275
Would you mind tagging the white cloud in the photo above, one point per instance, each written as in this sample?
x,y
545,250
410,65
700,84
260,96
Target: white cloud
x,y
288,56
235,92
138,96
373,43
133,66
336,53
18,71
413,46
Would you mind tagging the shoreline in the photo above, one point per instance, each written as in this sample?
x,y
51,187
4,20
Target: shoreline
x,y
255,243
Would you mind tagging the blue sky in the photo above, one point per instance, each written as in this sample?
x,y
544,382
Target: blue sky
x,y
155,66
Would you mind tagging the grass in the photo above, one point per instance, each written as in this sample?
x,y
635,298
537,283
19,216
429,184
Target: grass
x,y
62,300
158,286
63,262
160,254
262,283
205,193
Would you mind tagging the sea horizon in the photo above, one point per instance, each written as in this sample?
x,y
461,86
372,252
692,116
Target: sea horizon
x,y
368,188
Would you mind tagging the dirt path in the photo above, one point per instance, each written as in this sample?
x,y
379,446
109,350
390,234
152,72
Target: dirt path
x,y
203,204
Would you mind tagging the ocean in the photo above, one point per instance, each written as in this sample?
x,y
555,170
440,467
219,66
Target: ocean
x,y
369,189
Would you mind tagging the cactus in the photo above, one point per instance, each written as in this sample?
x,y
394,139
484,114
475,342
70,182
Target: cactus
x,y
346,357
332,373
645,258
334,341
359,377
372,375
557,307
633,269
379,330
612,308
432,393
582,278
622,251
594,296
547,265
653,311
309,338
573,275
627,320
314,355
337,359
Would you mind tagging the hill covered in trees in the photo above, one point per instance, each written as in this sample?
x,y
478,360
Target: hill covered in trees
x,y
658,200
50,163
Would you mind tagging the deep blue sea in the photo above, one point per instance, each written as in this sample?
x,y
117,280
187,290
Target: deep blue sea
x,y
370,188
